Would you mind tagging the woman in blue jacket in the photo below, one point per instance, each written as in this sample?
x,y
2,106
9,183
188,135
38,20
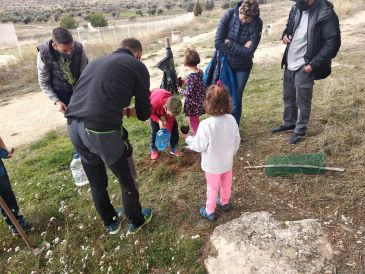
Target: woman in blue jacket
x,y
237,36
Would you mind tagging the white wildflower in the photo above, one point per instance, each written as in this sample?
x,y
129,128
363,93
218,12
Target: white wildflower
x,y
48,254
46,245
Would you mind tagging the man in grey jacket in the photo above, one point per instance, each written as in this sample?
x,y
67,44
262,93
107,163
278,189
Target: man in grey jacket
x,y
60,62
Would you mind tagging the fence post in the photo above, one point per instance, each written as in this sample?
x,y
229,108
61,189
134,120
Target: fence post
x,y
129,31
17,43
78,33
99,34
115,36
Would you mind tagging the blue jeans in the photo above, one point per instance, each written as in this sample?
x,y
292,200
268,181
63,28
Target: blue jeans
x,y
241,78
6,192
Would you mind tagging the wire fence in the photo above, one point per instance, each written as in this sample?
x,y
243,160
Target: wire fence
x,y
119,32
114,33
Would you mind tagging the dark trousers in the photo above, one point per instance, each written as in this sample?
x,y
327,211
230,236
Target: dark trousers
x,y
241,78
174,134
6,192
298,91
98,180
98,149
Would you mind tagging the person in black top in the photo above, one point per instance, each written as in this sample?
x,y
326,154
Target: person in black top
x,y
94,118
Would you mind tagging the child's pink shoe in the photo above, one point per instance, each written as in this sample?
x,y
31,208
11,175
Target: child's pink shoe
x,y
154,155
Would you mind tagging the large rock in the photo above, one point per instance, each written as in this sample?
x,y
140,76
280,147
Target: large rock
x,y
257,243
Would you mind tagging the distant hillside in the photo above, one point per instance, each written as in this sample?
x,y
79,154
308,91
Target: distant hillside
x,y
22,11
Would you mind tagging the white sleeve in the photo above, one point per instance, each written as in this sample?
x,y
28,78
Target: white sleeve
x,y
199,142
237,138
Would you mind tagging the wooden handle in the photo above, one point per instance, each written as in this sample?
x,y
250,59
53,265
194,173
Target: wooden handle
x,y
18,226
339,169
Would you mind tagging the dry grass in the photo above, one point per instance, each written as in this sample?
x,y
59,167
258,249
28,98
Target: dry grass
x,y
337,129
346,7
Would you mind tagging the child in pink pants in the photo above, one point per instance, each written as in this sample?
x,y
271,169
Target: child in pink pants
x,y
194,92
218,140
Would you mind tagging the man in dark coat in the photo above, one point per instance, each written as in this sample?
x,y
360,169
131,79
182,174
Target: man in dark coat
x,y
313,38
94,118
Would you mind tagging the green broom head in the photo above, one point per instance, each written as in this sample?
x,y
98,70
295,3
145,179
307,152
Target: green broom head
x,y
316,161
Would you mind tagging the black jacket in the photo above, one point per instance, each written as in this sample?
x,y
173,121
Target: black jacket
x,y
106,86
324,37
239,58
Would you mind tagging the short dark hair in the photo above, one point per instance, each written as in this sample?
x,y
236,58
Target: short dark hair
x,y
217,101
132,44
191,57
62,36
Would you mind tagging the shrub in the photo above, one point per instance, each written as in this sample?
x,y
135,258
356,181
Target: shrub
x,y
160,11
198,9
97,20
68,22
208,4
190,7
225,5
27,20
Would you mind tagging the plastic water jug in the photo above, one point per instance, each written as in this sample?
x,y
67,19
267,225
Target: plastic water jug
x,y
163,137
78,173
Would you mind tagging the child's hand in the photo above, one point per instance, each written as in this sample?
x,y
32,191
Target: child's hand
x,y
184,136
10,153
162,124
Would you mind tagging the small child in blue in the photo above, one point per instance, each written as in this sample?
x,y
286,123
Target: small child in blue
x,y
6,192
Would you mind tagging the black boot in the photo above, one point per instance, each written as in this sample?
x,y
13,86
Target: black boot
x,y
282,128
296,138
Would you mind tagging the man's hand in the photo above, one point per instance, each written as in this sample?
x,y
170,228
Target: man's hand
x,y
287,39
308,69
129,112
61,106
226,41
248,44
